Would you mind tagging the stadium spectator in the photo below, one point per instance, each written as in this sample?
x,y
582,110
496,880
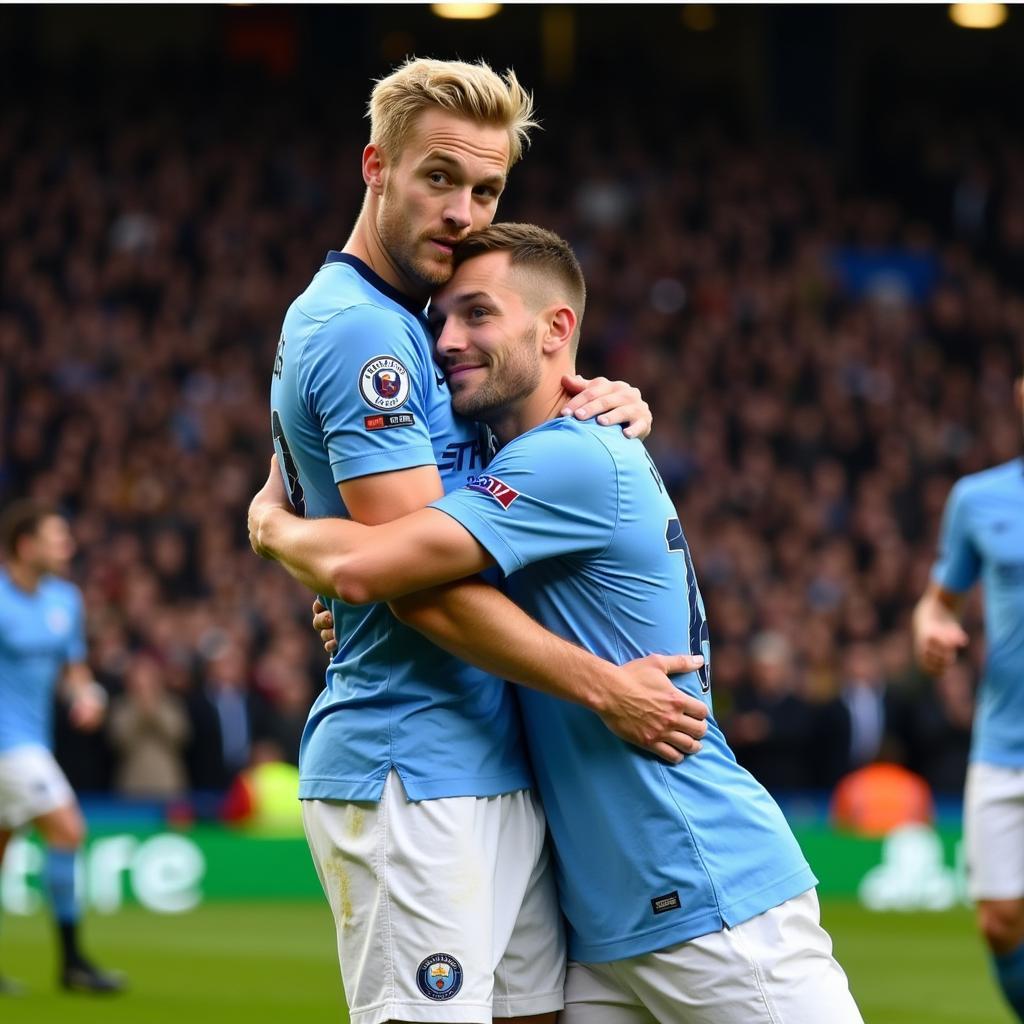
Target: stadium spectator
x,y
148,728
771,727
228,716
865,722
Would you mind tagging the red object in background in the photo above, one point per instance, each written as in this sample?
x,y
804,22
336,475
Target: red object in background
x,y
262,36
239,802
878,798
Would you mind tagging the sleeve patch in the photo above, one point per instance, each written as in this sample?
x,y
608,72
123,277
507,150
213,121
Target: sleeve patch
x,y
497,489
384,383
387,420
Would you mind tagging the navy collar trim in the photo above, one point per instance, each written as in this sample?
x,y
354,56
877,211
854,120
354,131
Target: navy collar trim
x,y
375,280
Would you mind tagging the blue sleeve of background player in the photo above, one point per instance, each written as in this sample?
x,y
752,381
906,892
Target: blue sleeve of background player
x,y
366,377
78,649
550,492
958,564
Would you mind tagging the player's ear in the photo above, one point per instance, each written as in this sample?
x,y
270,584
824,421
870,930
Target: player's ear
x,y
560,324
373,168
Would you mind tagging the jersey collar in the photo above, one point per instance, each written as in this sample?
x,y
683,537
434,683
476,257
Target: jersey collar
x,y
375,280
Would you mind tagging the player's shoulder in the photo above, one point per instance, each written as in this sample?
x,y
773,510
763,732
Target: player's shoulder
x,y
60,589
1006,477
345,292
564,434
562,448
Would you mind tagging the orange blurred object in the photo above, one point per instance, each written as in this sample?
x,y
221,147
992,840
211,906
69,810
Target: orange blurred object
x,y
875,799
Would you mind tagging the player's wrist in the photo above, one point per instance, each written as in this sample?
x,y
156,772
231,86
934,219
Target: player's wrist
x,y
600,687
266,518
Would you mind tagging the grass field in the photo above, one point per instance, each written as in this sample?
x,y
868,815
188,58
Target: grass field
x,y
275,962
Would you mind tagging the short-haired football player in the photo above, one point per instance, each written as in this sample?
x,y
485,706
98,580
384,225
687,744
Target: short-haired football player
x,y
687,897
983,538
42,643
416,791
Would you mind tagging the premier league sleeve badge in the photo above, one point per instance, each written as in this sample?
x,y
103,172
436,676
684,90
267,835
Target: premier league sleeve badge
x,y
384,383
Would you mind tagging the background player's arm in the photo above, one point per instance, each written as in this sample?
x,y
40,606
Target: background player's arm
x,y
88,699
469,618
938,634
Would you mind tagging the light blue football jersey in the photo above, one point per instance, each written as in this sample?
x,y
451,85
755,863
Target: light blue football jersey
x,y
355,391
40,633
983,535
648,854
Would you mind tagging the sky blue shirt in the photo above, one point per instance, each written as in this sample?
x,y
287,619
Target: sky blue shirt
x,y
648,854
983,535
40,633
356,391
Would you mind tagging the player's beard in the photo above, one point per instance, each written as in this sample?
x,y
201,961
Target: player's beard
x,y
517,377
404,247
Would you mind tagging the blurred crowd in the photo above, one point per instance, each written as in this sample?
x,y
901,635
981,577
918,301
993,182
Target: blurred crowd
x,y
822,365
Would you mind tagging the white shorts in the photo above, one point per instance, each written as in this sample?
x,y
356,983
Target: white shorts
x,y
776,968
445,909
994,832
31,785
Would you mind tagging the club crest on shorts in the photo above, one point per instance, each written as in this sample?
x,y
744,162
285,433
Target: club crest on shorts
x,y
384,383
439,976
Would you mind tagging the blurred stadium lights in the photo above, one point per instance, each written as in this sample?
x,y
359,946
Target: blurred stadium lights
x,y
465,11
698,17
977,15
558,40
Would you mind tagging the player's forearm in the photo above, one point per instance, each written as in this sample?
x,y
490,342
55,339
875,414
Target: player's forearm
x,y
317,552
478,624
361,564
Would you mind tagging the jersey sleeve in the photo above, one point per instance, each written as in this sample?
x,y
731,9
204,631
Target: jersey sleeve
x,y
958,564
365,378
549,493
77,649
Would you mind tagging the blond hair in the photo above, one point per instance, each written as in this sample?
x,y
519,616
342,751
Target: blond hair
x,y
473,91
533,248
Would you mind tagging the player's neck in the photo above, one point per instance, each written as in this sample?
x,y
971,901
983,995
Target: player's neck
x,y
366,244
24,576
543,404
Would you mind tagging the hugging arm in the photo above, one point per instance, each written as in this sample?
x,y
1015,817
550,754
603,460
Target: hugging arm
x,y
417,555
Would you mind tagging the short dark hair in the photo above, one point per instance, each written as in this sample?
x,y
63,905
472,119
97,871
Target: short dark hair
x,y
1018,358
21,519
533,247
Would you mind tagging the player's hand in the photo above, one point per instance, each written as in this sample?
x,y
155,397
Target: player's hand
x,y
647,709
323,623
88,708
271,495
937,645
611,401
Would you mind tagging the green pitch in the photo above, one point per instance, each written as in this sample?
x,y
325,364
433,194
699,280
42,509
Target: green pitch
x,y
268,963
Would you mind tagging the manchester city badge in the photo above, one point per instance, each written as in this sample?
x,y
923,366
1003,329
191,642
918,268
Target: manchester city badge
x,y
439,976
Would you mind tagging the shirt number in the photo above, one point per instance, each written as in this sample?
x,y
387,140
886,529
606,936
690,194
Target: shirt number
x,y
700,639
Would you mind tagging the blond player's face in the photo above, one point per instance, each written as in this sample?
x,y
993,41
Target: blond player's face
x,y
444,184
